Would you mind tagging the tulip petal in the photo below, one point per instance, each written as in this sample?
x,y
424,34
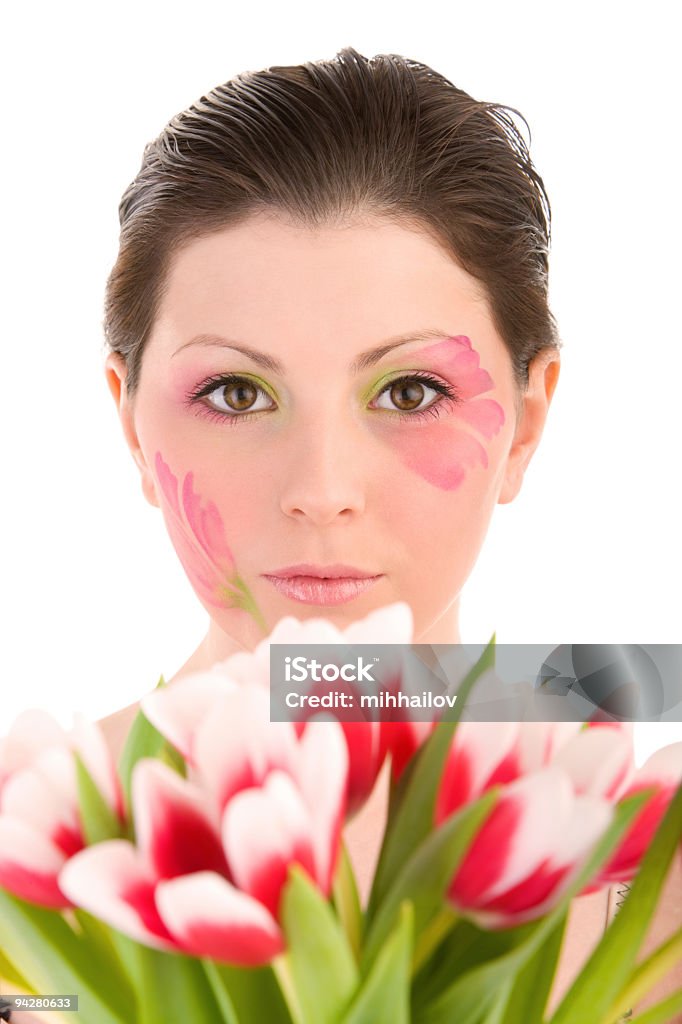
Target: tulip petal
x,y
177,710
664,765
29,797
363,740
88,740
265,830
536,894
599,761
392,624
625,861
400,740
30,864
210,918
322,773
177,828
112,882
482,754
237,744
525,826
31,733
539,742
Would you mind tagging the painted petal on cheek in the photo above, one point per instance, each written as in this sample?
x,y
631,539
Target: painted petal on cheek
x,y
206,525
461,361
441,453
443,456
198,537
205,575
484,414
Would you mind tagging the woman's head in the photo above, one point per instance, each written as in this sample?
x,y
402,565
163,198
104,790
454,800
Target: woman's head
x,y
311,215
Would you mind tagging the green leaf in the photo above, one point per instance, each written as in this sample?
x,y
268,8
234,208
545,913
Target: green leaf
x,y
662,1013
529,991
464,948
475,993
413,807
99,821
612,962
8,972
496,1013
144,740
173,987
347,901
53,958
384,995
318,955
220,992
648,973
101,943
254,993
425,878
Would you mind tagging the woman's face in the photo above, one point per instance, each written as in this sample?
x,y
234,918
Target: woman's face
x,y
321,398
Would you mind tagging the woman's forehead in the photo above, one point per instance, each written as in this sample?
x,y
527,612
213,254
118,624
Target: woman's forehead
x,y
344,290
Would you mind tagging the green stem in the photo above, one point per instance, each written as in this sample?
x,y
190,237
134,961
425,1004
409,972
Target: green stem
x,y
246,601
347,902
432,935
646,976
229,1015
282,971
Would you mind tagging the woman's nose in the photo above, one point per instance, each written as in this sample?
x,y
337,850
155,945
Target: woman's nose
x,y
325,474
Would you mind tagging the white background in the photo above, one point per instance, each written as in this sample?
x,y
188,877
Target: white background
x,y
95,603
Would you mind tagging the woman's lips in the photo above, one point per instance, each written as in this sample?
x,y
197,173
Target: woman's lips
x,y
318,590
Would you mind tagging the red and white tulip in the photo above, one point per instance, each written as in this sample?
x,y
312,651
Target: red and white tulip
x,y
560,784
181,711
213,851
40,824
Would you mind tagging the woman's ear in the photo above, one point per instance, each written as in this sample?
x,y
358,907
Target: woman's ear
x,y
116,371
543,374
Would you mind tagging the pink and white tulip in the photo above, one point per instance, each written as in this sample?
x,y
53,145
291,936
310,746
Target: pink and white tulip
x,y
212,851
182,710
40,824
560,784
528,850
663,772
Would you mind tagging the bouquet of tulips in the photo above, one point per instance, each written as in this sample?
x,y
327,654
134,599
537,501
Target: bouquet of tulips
x,y
205,878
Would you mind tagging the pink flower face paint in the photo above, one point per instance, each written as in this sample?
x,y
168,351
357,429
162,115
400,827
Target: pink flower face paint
x,y
442,452
198,535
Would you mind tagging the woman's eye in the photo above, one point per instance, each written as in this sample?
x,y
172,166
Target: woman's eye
x,y
238,395
407,395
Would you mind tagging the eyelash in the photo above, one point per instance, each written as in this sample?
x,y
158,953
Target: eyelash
x,y
450,396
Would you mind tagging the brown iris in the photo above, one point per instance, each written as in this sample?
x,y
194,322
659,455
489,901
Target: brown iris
x,y
407,394
246,395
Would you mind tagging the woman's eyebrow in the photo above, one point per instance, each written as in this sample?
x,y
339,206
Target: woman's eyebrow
x,y
363,361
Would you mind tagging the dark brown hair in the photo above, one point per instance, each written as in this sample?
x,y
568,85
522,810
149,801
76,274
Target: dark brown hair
x,y
327,141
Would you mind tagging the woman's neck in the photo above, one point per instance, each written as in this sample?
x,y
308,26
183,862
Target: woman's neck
x,y
217,645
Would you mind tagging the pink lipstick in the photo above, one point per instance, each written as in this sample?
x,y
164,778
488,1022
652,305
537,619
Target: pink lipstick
x,y
320,584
